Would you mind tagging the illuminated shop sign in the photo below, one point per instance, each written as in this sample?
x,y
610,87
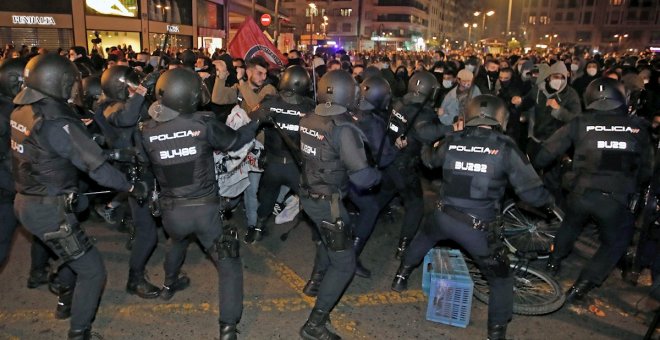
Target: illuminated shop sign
x,y
32,20
122,8
173,29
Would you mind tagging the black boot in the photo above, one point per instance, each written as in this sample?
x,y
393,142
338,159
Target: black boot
x,y
404,242
256,233
228,332
312,287
64,301
172,286
400,282
138,285
37,278
314,328
361,271
80,334
579,290
553,266
497,332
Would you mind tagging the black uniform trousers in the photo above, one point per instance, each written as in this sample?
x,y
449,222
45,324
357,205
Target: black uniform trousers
x,y
338,266
441,226
404,177
614,221
7,227
275,175
369,205
41,218
203,221
146,237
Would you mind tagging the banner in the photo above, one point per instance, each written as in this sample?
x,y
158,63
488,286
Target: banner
x,y
251,42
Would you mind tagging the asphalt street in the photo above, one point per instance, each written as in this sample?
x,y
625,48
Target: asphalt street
x,y
275,272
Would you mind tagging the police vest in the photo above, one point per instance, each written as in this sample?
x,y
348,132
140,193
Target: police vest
x,y
474,167
287,117
373,127
181,157
324,172
6,181
398,122
607,154
37,169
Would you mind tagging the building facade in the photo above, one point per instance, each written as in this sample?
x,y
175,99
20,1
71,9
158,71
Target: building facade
x,y
143,24
602,25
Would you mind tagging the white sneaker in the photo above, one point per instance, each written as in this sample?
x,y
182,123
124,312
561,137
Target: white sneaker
x,y
290,211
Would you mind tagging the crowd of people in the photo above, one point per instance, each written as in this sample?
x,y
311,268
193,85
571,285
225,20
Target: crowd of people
x,y
184,136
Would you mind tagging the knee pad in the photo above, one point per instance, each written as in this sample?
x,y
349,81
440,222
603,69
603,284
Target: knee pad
x,y
69,242
227,245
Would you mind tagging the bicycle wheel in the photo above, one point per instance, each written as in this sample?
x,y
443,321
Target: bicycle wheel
x,y
527,230
534,292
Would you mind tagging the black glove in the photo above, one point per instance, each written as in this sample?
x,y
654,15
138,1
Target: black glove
x,y
121,155
140,191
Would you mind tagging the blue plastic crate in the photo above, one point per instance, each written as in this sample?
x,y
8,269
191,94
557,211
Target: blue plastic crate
x,y
450,287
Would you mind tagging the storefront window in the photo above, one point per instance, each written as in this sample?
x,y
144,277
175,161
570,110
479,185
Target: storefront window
x,y
210,15
171,11
177,42
109,39
50,38
122,8
36,6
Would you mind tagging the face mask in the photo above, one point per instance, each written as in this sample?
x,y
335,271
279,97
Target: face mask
x,y
198,69
646,81
465,86
447,83
592,71
574,67
358,79
505,82
439,70
470,68
555,84
384,66
493,74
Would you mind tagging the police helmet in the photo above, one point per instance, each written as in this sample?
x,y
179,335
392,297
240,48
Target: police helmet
x,y
49,74
181,89
375,93
188,58
337,92
116,80
91,91
604,94
486,109
11,76
423,85
295,79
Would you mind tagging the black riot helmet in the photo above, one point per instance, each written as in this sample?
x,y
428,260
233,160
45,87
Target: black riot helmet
x,y
188,58
116,80
91,91
337,92
11,76
375,93
182,90
295,79
423,85
604,94
486,109
49,74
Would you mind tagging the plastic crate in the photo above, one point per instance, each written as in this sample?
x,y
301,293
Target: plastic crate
x,y
447,282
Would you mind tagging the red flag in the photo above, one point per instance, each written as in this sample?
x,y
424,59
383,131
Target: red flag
x,y
251,42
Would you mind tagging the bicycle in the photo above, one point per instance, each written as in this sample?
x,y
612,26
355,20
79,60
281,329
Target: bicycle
x,y
528,230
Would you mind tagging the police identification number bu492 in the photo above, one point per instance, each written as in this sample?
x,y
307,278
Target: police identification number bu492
x,y
183,152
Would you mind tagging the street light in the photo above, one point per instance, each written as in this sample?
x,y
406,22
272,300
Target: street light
x,y
483,24
620,37
469,27
312,11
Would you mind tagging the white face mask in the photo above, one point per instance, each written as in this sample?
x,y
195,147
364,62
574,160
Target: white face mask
x,y
198,68
592,71
574,67
439,70
447,83
469,68
556,83
646,81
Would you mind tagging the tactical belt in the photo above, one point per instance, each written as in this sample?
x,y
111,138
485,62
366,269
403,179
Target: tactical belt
x,y
279,160
168,203
43,199
315,196
465,217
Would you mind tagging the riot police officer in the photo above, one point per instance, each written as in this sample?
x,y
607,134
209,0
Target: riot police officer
x,y
613,158
120,110
477,164
281,169
179,142
412,122
49,144
375,97
333,154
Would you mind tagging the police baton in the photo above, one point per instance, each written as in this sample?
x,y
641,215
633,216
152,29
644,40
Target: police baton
x,y
98,192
